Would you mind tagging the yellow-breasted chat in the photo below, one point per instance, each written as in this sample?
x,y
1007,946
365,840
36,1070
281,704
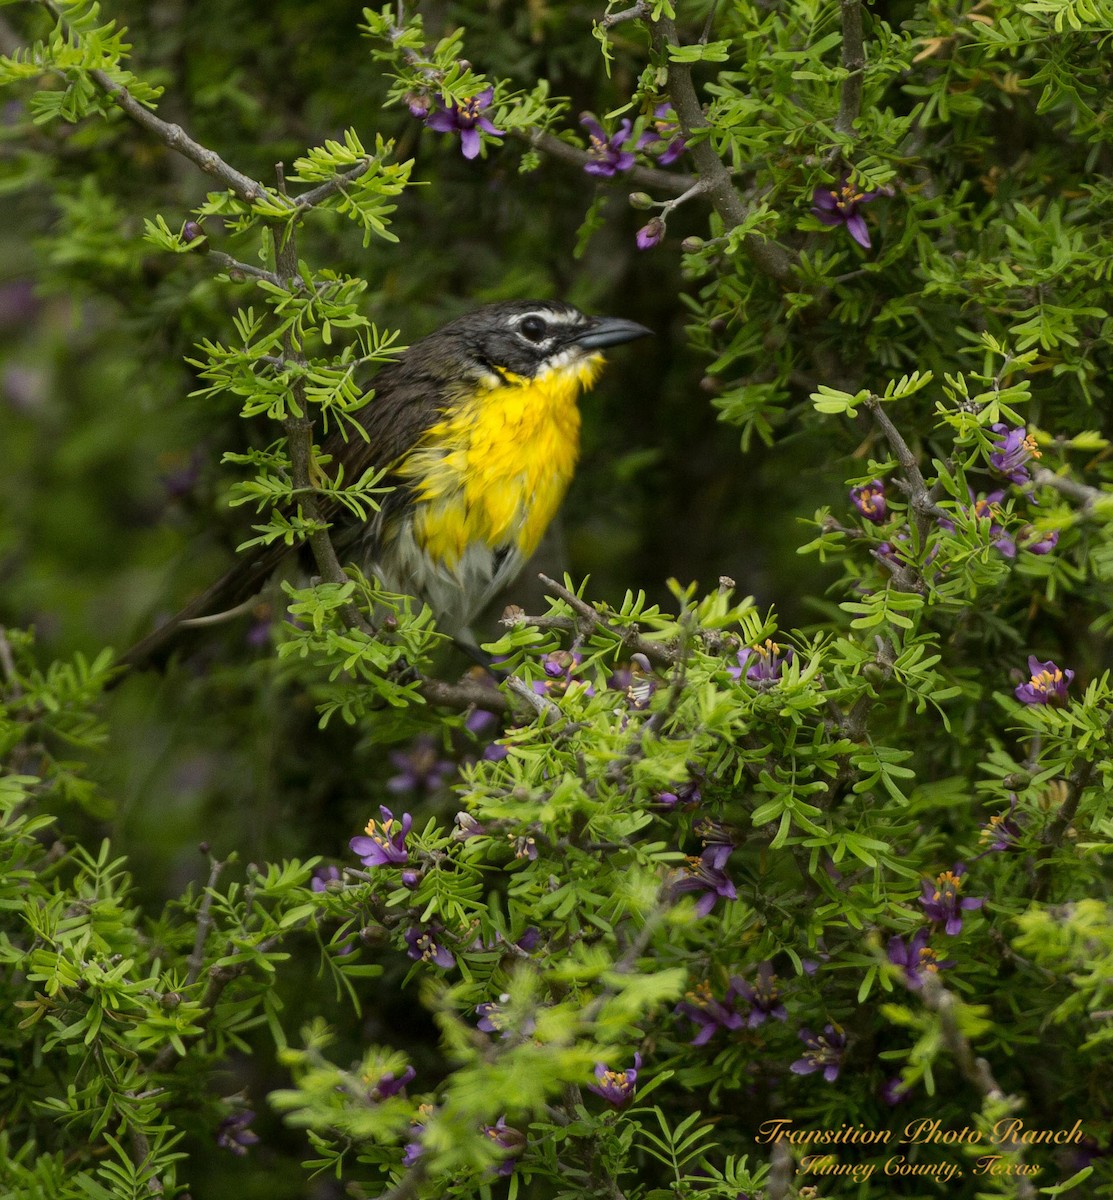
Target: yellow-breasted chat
x,y
478,429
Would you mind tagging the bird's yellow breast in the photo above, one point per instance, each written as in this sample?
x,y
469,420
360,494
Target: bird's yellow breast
x,y
495,468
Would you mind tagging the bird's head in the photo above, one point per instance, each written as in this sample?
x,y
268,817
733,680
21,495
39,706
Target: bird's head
x,y
528,338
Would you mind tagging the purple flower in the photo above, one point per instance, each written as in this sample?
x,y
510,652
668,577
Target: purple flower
x,y
233,1133
1048,683
323,876
559,668
894,1091
686,796
467,827
1001,831
1038,543
890,552
466,119
824,1052
512,1141
419,104
479,720
869,500
665,129
385,843
19,306
650,235
414,1149
419,768
616,1087
1013,449
763,995
708,1014
491,1016
763,665
915,958
636,679
179,473
705,874
424,945
840,206
390,1084
606,157
530,940
523,845
941,902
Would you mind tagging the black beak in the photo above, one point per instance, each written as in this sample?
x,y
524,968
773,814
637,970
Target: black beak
x,y
609,331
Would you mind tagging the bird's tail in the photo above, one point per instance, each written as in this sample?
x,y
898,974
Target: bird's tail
x,y
244,580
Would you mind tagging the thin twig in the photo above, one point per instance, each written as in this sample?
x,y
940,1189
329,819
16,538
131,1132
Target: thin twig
x,y
406,1187
7,665
299,429
924,509
650,177
247,189
975,1070
196,958
1068,810
641,9
331,186
781,1171
463,695
654,651
1089,497
234,267
541,705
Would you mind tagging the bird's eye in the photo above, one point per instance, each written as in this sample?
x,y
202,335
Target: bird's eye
x,y
533,329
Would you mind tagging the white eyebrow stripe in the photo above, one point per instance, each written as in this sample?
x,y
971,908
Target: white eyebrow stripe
x,y
551,316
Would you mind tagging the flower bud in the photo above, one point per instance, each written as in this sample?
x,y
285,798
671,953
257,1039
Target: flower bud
x,y
692,245
640,200
651,235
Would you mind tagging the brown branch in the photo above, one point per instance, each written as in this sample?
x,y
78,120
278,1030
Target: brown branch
x,y
234,267
975,1070
781,1172
630,638
196,958
299,428
854,60
7,665
336,184
920,500
641,9
1088,497
542,706
463,695
406,1187
174,136
769,257
1068,810
650,177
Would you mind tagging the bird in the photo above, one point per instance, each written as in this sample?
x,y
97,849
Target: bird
x,y
477,427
